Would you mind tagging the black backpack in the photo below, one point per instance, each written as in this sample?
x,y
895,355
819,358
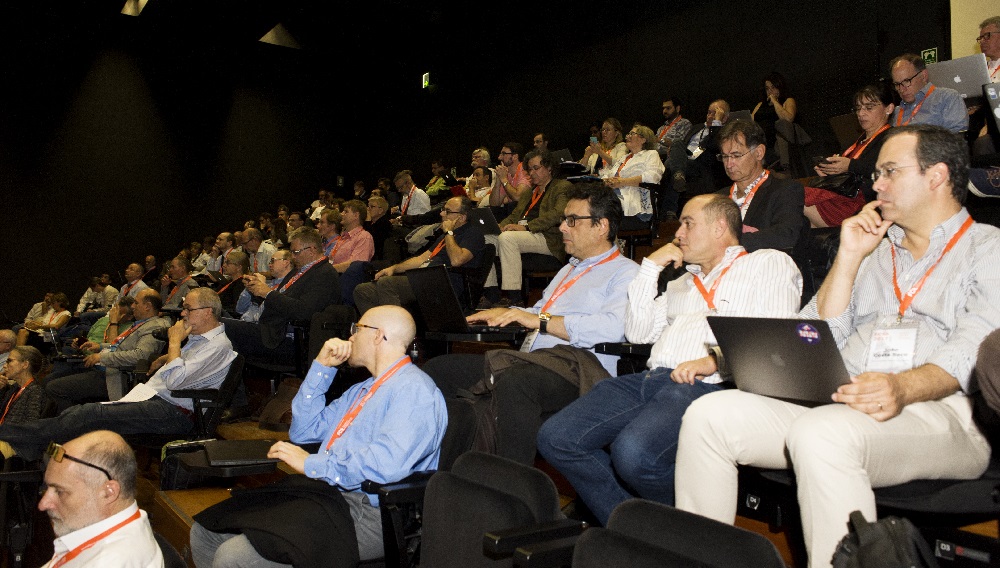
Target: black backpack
x,y
892,542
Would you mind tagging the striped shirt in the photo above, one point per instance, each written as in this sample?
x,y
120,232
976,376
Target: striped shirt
x,y
764,283
957,307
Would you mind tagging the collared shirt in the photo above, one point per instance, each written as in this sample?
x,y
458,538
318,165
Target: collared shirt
x,y
248,309
398,431
646,164
203,364
699,137
677,132
593,308
595,164
944,107
354,245
99,301
421,202
259,259
958,306
130,546
132,289
993,68
675,320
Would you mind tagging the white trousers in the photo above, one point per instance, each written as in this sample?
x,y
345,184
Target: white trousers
x,y
510,246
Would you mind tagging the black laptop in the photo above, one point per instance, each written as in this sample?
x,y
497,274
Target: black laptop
x,y
440,306
795,360
238,452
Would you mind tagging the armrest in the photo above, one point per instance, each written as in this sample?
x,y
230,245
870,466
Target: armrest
x,y
200,394
552,553
407,490
502,543
625,349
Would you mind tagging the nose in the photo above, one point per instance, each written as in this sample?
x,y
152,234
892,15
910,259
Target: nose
x,y
45,503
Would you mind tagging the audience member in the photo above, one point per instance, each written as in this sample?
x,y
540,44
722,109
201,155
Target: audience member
x,y
414,201
258,251
439,187
8,339
231,285
177,282
45,326
923,102
355,243
133,281
600,154
511,177
250,306
778,105
151,272
378,224
99,297
674,129
540,142
23,399
696,165
641,165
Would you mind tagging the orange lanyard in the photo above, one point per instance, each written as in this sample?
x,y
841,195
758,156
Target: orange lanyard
x,y
299,275
354,410
563,285
90,543
709,294
438,248
627,158
53,316
536,195
608,151
128,288
663,132
409,197
176,288
916,109
226,287
858,150
905,301
129,331
16,396
336,245
750,191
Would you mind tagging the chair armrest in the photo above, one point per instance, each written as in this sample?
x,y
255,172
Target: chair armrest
x,y
502,543
410,489
200,394
552,553
625,349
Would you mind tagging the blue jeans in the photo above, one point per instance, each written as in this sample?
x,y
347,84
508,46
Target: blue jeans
x,y
639,417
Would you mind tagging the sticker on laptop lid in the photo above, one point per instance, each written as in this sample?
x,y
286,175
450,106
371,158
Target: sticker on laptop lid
x,y
808,333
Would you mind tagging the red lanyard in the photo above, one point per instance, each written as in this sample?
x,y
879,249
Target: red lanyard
x,y
536,195
751,190
176,288
857,150
438,248
53,316
916,109
90,543
129,331
226,287
299,275
563,285
16,396
354,410
409,197
709,294
128,288
663,133
905,301
340,241
627,158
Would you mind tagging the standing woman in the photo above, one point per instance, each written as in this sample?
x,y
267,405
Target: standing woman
x,y
23,400
642,164
607,150
873,105
777,105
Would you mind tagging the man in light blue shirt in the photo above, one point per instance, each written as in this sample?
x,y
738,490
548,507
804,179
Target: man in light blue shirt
x,y
922,102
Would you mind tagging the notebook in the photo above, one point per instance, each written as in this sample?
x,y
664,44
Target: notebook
x,y
440,306
238,452
967,75
795,360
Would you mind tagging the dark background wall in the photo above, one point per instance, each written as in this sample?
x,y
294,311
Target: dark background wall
x,y
124,136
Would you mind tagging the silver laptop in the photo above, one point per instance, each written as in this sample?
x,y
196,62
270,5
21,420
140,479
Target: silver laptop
x,y
795,360
967,75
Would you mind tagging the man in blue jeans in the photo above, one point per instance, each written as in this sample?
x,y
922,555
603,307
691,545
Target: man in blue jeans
x,y
639,416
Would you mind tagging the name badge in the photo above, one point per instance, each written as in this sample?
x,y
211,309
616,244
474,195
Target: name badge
x,y
523,222
893,346
697,152
529,340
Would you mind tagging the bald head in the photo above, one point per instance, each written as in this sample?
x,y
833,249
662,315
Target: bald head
x,y
107,449
148,303
7,339
396,324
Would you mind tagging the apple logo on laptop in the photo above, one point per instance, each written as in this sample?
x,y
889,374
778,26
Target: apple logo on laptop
x,y
777,360
958,79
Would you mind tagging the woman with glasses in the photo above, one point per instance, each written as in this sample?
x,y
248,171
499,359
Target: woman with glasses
x,y
642,164
24,396
873,105
606,149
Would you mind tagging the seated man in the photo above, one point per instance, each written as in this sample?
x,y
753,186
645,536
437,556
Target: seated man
x,y
131,345
693,166
90,489
250,306
908,313
99,297
202,363
230,286
177,282
328,226
382,429
415,201
302,293
771,207
378,224
460,244
639,416
355,243
583,305
258,252
7,340
533,226
923,102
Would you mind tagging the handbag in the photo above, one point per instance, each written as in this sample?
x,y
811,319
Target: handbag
x,y
892,542
847,184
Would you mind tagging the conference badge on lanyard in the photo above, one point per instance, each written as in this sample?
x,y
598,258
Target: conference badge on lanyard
x,y
893,345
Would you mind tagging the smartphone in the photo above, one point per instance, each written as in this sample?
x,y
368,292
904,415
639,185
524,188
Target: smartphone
x,y
593,139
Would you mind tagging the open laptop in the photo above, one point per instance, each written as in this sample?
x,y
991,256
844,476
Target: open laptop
x,y
440,306
795,360
967,75
487,221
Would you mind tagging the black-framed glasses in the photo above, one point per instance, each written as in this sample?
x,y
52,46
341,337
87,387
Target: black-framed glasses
x,y
58,453
450,212
506,153
302,249
571,220
986,36
889,172
906,82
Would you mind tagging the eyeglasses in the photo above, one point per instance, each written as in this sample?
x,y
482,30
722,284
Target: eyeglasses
x,y
571,220
868,107
986,36
506,153
189,309
57,453
273,260
734,155
905,83
355,327
450,212
889,172
631,134
302,249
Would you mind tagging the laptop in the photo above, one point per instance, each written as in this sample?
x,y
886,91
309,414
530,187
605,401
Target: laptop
x,y
487,221
238,452
967,75
440,306
795,360
991,94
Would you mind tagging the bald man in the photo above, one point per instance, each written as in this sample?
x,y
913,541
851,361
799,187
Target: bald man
x,y
397,432
7,341
90,492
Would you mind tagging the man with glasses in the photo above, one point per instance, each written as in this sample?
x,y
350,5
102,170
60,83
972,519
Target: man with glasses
x,y
989,44
177,282
355,243
460,244
201,363
384,429
308,289
911,295
257,250
513,177
250,306
90,489
771,207
923,102
231,286
378,224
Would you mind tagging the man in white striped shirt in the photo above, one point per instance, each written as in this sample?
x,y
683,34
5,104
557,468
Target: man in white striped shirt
x,y
639,415
908,312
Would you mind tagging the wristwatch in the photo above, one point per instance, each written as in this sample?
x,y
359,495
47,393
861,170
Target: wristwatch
x,y
452,233
543,321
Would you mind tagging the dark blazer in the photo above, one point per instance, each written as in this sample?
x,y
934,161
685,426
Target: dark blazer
x,y
318,288
380,231
776,213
